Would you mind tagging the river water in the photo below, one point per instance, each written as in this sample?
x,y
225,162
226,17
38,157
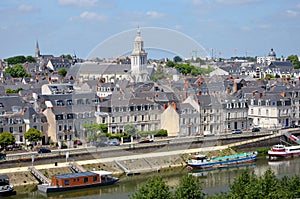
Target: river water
x,y
214,181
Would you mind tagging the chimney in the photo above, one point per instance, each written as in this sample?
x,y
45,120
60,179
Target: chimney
x,y
199,93
260,95
234,87
282,94
184,94
186,84
165,106
253,93
174,105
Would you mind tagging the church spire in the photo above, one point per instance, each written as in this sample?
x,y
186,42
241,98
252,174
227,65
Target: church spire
x,y
37,50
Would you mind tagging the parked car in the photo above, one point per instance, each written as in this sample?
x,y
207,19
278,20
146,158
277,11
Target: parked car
x,y
237,131
44,150
255,129
146,140
2,156
113,142
208,133
294,126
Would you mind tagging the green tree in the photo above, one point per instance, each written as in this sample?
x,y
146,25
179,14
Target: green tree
x,y
6,138
62,72
177,59
294,60
130,129
33,135
170,64
154,188
158,74
16,71
68,56
189,188
30,59
97,128
16,60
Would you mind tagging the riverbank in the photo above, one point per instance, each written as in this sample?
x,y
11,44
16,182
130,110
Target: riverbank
x,y
144,164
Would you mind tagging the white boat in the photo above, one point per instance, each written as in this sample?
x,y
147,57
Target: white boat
x,y
6,189
282,151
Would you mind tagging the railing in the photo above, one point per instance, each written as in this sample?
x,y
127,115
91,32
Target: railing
x,y
39,175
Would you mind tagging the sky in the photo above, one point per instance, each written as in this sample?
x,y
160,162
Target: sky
x,y
223,28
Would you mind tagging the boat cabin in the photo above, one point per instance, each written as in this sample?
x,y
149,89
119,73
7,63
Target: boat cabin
x,y
199,158
4,180
75,179
278,148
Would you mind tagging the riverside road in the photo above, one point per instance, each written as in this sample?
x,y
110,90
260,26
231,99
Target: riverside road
x,y
130,151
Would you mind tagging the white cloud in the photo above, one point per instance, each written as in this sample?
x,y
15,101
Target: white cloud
x,y
25,8
154,14
178,27
92,16
80,3
291,13
237,2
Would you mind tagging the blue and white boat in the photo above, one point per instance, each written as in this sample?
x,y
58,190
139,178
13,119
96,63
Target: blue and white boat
x,y
203,162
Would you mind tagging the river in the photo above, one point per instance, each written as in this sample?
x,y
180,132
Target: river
x,y
214,181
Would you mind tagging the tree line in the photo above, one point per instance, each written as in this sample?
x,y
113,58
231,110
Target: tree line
x,y
247,185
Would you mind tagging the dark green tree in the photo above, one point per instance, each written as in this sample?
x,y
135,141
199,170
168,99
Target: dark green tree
x,y
16,60
62,72
130,129
68,56
154,188
30,59
170,64
177,59
6,138
16,71
158,74
294,60
189,188
33,135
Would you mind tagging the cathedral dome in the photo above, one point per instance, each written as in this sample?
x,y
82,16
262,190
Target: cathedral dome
x,y
272,53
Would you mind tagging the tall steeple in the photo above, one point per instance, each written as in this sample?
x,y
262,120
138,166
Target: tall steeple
x,y
138,55
37,50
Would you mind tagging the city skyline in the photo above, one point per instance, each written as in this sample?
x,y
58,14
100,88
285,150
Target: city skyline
x,y
223,28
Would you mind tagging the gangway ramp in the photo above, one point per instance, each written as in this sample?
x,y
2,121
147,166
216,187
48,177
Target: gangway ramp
x,y
292,137
41,177
76,167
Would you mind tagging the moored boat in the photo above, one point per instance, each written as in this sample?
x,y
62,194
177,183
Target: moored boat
x,y
203,162
79,180
6,189
281,151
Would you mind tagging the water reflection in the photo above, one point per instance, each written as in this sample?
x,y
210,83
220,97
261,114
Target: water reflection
x,y
215,180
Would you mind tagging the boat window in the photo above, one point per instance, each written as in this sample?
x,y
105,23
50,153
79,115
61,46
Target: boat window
x,y
67,182
95,178
85,180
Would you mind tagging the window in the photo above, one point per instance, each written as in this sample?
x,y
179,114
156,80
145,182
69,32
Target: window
x,y
20,129
95,178
135,118
85,180
59,128
267,112
259,111
103,120
112,119
67,182
252,111
121,119
228,125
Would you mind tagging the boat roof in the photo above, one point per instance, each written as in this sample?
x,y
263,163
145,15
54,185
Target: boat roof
x,y
293,147
233,156
4,176
75,175
102,173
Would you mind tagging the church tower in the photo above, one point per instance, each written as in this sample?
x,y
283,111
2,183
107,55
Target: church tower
x,y
139,59
37,50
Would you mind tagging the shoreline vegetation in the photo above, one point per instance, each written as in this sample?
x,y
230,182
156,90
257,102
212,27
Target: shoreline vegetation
x,y
246,185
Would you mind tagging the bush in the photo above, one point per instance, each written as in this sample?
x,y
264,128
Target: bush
x,y
161,133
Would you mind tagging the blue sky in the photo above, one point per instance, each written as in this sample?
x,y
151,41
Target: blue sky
x,y
229,27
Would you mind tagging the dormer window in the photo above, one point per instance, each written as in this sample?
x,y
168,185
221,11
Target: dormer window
x,y
1,105
59,103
